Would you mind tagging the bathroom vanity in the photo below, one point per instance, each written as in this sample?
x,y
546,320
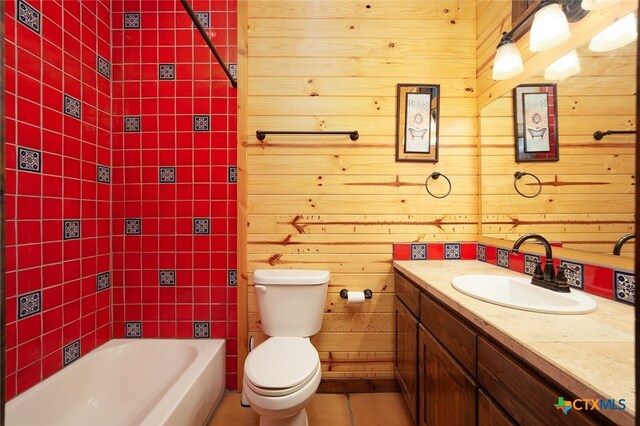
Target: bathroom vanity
x,y
464,361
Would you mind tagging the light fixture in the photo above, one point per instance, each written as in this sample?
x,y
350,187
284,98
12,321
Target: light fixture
x,y
597,4
618,34
507,62
564,67
549,29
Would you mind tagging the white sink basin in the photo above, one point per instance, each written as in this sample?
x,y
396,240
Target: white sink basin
x,y
519,293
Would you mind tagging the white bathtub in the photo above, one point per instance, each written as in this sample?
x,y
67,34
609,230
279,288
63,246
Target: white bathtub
x,y
129,382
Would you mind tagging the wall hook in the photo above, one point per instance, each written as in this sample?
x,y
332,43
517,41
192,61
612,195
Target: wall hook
x,y
518,175
436,175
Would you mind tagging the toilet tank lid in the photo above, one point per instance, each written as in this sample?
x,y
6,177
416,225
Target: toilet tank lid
x,y
290,276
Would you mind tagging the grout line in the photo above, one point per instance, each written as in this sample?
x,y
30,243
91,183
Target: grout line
x,y
350,409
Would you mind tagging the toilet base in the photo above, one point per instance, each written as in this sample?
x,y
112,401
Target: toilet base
x,y
299,419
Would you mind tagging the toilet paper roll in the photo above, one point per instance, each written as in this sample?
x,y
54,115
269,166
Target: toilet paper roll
x,y
355,297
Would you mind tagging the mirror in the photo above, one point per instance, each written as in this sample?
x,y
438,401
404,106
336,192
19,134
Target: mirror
x,y
586,200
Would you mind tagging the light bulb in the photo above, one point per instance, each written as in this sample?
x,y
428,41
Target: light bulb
x,y
564,67
618,34
597,4
549,29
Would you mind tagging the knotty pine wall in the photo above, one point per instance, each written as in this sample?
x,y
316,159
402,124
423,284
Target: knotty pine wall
x,y
326,202
587,198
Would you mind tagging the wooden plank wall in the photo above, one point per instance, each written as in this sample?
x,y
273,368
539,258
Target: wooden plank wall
x,y
326,202
587,198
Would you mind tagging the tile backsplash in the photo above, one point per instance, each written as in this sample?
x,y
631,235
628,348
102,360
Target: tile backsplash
x,y
595,279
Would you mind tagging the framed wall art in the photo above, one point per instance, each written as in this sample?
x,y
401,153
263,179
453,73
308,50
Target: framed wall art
x,y
536,122
417,122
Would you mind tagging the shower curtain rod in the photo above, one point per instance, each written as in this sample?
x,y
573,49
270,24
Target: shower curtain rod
x,y
599,134
207,40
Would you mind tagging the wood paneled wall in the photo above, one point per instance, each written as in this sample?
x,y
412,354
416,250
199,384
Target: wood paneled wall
x,y
587,198
326,202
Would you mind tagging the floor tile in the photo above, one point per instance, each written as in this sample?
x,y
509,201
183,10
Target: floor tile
x,y
230,412
329,409
379,409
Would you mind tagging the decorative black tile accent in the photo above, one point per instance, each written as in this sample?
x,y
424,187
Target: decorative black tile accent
x,y
104,67
103,281
574,273
71,352
167,174
200,226
203,17
625,287
134,329
200,123
167,278
71,229
133,226
104,174
132,20
481,252
418,251
232,174
166,72
232,278
530,261
233,69
132,123
503,258
72,107
200,330
452,251
29,16
29,160
29,304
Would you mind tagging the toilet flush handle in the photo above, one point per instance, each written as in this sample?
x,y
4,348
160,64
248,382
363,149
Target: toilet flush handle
x,y
261,288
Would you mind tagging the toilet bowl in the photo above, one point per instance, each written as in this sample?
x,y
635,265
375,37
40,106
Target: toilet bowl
x,y
282,374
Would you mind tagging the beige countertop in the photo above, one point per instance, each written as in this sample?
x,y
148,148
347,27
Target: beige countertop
x,y
591,355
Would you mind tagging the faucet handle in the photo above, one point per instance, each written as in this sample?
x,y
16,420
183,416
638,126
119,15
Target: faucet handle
x,y
537,271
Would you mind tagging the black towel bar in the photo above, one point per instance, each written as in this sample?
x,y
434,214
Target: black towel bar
x,y
261,134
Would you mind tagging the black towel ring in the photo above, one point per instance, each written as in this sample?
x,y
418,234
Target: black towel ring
x,y
436,175
518,175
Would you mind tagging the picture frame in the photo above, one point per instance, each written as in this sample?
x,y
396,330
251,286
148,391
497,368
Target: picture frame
x,y
417,125
535,116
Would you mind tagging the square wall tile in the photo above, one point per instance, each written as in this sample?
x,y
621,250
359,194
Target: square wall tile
x,y
401,251
201,226
167,278
71,229
166,72
452,251
29,304
574,273
625,287
167,174
200,123
29,16
133,226
418,251
133,329
233,174
132,124
481,253
29,160
72,107
104,67
233,70
232,278
530,261
503,258
71,352
103,281
104,174
200,330
203,17
132,20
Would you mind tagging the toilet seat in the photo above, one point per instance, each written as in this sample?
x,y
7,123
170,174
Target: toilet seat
x,y
281,366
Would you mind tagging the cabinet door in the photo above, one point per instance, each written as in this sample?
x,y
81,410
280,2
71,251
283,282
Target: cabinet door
x,y
406,360
450,391
490,413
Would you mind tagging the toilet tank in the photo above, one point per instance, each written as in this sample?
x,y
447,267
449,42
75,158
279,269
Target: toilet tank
x,y
291,301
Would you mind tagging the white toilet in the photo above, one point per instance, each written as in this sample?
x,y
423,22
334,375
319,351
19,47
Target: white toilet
x,y
282,374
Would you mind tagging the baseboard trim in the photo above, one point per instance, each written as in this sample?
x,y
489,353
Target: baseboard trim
x,y
358,385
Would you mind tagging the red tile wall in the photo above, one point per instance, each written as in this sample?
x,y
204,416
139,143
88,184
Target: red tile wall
x,y
202,295
71,316
57,57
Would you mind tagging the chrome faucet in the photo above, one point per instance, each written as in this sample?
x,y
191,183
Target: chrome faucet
x,y
618,247
547,278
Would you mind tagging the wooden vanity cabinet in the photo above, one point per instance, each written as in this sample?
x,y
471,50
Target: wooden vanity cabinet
x,y
406,355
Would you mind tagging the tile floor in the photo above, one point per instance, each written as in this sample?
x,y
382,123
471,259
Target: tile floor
x,y
327,409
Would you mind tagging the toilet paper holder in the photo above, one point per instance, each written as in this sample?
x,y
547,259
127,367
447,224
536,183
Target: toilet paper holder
x,y
368,294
